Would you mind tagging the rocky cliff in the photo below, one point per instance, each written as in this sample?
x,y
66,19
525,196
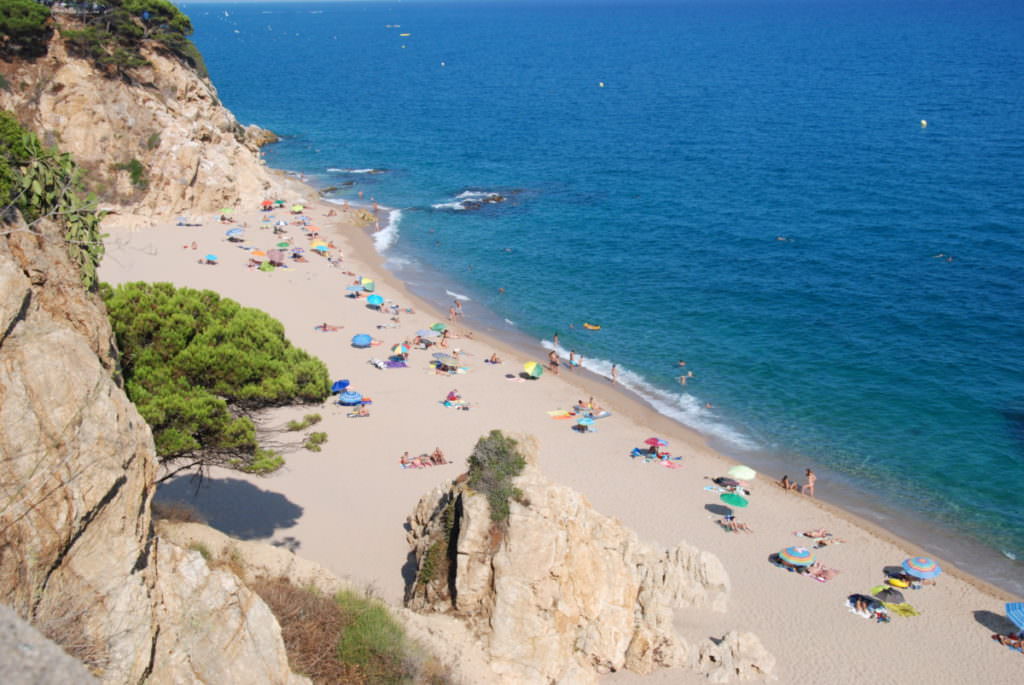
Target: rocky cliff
x,y
562,593
190,153
77,555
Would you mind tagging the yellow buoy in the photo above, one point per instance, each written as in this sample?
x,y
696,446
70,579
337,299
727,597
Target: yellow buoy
x,y
403,35
924,123
600,84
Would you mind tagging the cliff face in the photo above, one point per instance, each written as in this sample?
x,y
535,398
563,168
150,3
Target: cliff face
x,y
77,558
563,593
192,154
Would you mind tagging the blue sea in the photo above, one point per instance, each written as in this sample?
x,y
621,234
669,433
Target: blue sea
x,y
819,206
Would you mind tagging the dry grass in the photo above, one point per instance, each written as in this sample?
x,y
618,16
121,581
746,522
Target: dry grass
x,y
63,617
179,512
311,625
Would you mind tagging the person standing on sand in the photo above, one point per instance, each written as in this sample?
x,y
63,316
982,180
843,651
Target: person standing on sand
x,y
808,489
553,359
615,373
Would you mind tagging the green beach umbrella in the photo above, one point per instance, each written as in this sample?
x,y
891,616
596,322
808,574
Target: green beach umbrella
x,y
533,369
283,245
227,210
734,500
439,327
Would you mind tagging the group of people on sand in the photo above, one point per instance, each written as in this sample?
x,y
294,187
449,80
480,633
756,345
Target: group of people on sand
x,y
435,458
807,488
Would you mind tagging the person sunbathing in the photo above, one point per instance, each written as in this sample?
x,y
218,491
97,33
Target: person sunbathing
x,y
1013,640
787,484
494,358
816,534
819,572
729,522
361,411
437,457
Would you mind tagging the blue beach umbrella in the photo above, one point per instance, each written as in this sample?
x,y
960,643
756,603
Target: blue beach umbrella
x,y
234,232
797,556
361,340
375,300
210,258
320,248
350,398
339,386
585,421
1015,612
921,567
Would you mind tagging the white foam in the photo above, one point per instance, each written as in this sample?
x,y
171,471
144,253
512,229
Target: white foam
x,y
457,296
466,198
683,407
338,170
453,206
398,262
388,236
510,322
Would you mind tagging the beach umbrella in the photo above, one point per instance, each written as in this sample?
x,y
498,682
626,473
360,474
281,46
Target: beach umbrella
x,y
320,248
585,421
226,210
361,340
533,369
890,595
266,266
740,472
797,556
727,482
297,208
283,245
921,567
257,253
317,243
339,386
439,327
424,333
368,285
279,203
275,256
399,349
266,203
350,398
355,288
655,442
446,359
211,258
375,300
234,232
734,500
1015,612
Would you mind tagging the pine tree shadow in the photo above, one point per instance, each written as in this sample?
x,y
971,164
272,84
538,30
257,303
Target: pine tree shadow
x,y
233,506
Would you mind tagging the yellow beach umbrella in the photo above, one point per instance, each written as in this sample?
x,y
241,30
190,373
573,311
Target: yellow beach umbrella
x,y
257,253
317,243
533,369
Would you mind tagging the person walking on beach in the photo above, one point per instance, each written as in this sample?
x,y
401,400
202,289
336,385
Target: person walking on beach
x,y
808,489
615,373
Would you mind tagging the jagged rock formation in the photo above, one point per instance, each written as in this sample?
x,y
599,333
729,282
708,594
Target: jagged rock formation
x,y
563,593
28,658
77,557
192,153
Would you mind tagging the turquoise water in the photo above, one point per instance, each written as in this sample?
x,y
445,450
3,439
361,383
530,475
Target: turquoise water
x,y
653,205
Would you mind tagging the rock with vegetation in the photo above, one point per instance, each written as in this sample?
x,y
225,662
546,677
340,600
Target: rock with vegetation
x,y
591,597
132,105
195,363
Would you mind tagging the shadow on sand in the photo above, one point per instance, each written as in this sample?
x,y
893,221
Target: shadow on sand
x,y
233,506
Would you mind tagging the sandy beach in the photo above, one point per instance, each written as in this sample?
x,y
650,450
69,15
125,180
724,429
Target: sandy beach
x,y
345,506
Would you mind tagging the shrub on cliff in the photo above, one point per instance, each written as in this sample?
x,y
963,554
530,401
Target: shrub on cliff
x,y
494,462
113,38
195,363
42,183
24,28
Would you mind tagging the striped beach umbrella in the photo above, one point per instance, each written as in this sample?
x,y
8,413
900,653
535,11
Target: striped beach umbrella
x,y
734,500
921,567
1015,612
741,472
350,398
533,369
399,349
797,556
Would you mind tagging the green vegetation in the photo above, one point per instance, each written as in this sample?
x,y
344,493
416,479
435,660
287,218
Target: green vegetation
x,y
494,462
44,183
203,550
136,171
315,441
24,28
307,421
153,142
113,39
195,363
349,638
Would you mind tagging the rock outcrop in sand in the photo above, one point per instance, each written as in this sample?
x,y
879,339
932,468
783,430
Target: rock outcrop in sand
x,y
77,556
192,154
562,593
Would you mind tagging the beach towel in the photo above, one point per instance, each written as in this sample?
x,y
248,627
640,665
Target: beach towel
x,y
671,465
904,609
713,488
561,414
879,615
395,364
